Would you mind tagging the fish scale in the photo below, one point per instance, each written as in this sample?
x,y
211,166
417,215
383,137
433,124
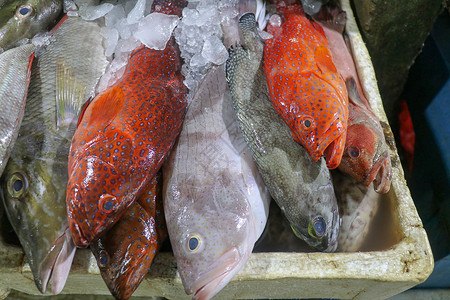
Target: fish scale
x,y
124,137
304,85
124,265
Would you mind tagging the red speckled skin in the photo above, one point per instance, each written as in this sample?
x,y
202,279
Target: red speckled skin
x,y
125,253
124,137
304,85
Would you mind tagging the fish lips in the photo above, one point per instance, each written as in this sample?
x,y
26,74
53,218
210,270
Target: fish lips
x,y
57,264
211,282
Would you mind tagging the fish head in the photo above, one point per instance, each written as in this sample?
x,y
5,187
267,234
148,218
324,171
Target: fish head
x,y
212,235
23,19
366,156
315,217
35,204
98,193
320,120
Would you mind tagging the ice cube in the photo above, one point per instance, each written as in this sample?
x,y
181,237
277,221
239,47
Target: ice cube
x,y
72,13
90,13
129,5
190,16
136,13
214,50
111,36
155,30
198,60
116,14
129,44
69,5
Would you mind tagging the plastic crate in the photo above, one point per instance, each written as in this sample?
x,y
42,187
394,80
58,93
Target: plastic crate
x,y
373,274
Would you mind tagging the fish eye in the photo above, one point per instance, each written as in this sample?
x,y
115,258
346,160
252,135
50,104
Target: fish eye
x,y
193,243
107,203
307,123
17,185
24,11
103,259
317,227
353,152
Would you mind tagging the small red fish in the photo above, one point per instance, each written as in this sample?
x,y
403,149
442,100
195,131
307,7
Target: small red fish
x,y
304,85
124,136
125,253
366,154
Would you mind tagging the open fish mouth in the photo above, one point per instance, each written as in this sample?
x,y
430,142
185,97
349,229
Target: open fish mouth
x,y
56,265
211,282
380,175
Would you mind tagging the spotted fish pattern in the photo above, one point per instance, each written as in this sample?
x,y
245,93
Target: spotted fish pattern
x,y
124,137
125,253
304,85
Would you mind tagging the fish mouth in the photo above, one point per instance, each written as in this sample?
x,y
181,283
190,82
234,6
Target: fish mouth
x,y
334,150
211,282
380,175
56,265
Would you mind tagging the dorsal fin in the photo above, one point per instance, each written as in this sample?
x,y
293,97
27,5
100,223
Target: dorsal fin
x,y
83,110
353,92
324,60
106,106
69,94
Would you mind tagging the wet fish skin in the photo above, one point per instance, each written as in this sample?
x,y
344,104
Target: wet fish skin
x,y
301,187
15,66
124,136
366,154
304,85
36,16
215,203
358,205
35,179
125,253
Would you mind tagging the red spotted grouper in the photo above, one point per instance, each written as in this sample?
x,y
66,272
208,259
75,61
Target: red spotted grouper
x,y
366,156
35,179
124,137
304,85
301,187
125,253
215,203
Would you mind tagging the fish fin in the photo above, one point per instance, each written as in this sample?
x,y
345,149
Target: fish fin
x,y
69,94
83,109
324,59
353,94
107,106
333,17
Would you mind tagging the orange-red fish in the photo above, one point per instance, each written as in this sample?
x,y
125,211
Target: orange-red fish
x,y
366,155
305,87
125,253
124,136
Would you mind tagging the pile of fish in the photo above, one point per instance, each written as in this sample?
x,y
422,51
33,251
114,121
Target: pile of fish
x,y
129,122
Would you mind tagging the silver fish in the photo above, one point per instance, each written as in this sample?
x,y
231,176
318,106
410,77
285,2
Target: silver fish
x,y
14,79
358,205
215,203
302,188
35,179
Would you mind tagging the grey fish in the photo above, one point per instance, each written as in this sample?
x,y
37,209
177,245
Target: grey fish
x,y
35,180
358,205
215,203
14,79
24,19
302,188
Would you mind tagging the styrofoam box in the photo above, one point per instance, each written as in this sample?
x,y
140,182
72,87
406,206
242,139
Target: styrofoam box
x,y
372,274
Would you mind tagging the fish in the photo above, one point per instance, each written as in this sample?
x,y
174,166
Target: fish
x,y
24,19
301,187
15,70
366,154
35,179
124,135
125,253
304,85
215,202
358,205
312,7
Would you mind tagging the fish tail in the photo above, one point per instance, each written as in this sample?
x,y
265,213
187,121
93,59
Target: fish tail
x,y
332,16
169,7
